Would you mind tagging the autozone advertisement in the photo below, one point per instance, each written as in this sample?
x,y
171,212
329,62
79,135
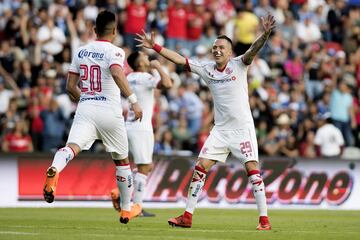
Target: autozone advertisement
x,y
295,183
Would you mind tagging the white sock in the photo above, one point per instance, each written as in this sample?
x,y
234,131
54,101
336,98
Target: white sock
x,y
62,157
195,188
124,181
139,184
258,188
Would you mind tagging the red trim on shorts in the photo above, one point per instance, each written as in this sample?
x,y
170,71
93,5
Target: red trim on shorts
x,y
72,150
122,164
75,73
187,65
115,64
200,169
253,172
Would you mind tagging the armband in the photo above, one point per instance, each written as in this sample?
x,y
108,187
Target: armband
x,y
157,48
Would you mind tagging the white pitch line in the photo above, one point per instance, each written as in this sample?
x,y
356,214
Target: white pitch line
x,y
142,229
17,233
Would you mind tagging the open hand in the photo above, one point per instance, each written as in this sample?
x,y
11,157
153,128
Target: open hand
x,y
145,41
268,23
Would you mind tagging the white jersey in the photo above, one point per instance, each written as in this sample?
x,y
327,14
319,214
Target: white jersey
x,y
330,139
229,89
143,85
92,62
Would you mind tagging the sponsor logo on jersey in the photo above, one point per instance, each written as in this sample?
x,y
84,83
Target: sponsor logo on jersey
x,y
118,54
85,53
228,71
233,78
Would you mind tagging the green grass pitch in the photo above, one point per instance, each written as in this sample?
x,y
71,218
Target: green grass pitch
x,y
208,224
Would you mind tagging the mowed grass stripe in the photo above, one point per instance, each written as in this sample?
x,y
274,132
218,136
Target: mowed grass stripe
x,y
90,223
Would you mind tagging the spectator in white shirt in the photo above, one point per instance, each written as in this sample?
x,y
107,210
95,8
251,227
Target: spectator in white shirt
x,y
52,38
308,31
329,141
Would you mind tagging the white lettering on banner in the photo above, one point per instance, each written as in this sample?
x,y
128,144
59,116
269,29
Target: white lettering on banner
x,y
288,183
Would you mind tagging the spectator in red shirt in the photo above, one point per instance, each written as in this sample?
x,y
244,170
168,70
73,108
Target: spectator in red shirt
x,y
18,140
136,14
195,24
176,29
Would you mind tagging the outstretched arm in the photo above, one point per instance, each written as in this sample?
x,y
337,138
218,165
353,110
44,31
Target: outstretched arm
x,y
145,41
268,25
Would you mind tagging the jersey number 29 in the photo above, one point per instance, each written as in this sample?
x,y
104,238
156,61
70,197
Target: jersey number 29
x,y
92,73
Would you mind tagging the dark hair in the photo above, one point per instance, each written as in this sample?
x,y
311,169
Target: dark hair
x,y
103,23
226,38
132,59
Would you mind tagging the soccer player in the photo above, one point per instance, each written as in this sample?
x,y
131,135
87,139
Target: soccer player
x,y
98,69
140,134
234,130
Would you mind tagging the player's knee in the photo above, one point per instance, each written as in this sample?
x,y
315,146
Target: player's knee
x,y
145,168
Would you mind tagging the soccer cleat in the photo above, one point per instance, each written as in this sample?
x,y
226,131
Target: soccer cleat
x,y
146,214
115,198
180,221
264,223
52,177
126,216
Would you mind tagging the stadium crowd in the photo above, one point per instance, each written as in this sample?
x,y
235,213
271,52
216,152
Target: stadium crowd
x,y
309,70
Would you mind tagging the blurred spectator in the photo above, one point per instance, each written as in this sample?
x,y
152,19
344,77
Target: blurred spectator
x,y
51,37
246,24
18,140
342,111
328,139
307,146
136,15
196,19
308,31
176,31
165,144
54,126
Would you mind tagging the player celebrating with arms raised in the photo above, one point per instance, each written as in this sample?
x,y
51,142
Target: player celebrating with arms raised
x,y
234,130
99,67
140,134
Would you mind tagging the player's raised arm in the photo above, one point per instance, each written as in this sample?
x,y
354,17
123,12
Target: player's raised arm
x,y
165,79
268,24
120,80
72,86
145,41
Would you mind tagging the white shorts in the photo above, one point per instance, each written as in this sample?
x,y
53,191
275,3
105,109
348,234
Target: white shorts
x,y
141,146
91,123
241,143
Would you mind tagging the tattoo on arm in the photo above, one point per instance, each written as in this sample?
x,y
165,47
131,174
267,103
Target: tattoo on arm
x,y
255,47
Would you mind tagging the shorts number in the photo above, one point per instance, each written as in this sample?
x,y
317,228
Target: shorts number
x,y
245,147
95,77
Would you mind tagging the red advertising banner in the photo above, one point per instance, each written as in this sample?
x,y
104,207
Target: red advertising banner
x,y
288,181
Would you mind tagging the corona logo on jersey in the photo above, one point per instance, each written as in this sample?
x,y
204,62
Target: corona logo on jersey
x,y
85,53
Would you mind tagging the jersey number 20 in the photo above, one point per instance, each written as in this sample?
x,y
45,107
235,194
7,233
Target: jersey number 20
x,y
92,73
